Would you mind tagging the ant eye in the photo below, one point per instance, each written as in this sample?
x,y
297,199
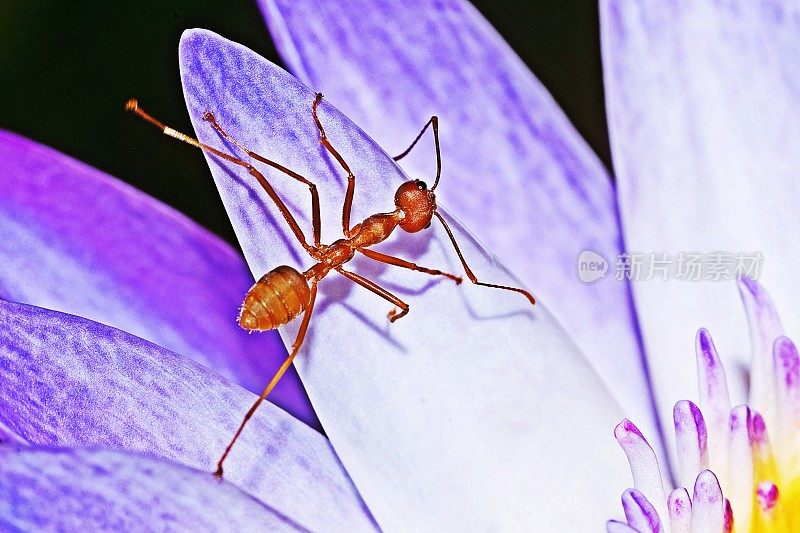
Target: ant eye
x,y
421,185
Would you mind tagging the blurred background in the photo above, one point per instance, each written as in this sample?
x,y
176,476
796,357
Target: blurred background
x,y
67,68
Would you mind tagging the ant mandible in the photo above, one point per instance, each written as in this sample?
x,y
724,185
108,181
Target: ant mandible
x,y
282,294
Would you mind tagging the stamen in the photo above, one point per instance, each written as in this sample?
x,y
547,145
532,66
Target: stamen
x,y
715,402
680,511
691,441
639,512
708,509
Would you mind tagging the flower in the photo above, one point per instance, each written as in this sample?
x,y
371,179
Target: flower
x,y
724,451
473,411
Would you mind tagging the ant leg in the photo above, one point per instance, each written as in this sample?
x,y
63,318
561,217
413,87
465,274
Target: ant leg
x,y
301,335
396,261
380,291
315,217
434,121
472,276
133,106
351,179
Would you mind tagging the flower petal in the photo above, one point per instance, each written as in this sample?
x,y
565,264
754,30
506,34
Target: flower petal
x,y
704,119
72,490
67,381
515,171
76,240
474,385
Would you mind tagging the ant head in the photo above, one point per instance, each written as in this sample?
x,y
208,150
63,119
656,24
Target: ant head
x,y
417,204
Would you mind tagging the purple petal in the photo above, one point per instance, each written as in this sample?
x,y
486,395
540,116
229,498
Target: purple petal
x,y
704,120
80,490
76,240
640,513
765,328
474,386
67,381
515,171
691,441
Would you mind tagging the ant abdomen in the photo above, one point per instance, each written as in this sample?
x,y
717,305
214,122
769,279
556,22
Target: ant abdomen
x,y
277,298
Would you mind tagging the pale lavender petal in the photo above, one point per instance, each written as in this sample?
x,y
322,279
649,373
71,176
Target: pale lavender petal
x,y
640,513
765,328
714,402
691,441
680,511
472,387
515,171
76,240
708,507
67,381
643,463
739,488
100,490
704,120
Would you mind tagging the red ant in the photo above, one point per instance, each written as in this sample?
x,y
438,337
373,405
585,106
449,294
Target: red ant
x,y
282,294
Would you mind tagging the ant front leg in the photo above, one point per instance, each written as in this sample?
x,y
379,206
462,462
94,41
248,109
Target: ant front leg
x,y
315,216
133,107
380,291
396,261
351,179
434,122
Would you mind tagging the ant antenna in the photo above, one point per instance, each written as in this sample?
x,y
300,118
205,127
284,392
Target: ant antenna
x,y
468,271
434,121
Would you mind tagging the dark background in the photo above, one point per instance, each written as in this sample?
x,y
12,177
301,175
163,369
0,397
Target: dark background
x,y
67,70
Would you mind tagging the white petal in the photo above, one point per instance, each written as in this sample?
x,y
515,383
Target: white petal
x,y
474,411
704,117
515,171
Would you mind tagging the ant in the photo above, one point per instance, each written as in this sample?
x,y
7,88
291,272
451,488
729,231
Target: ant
x,y
282,294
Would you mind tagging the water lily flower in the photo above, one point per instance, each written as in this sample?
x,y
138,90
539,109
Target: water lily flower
x,y
474,411
743,464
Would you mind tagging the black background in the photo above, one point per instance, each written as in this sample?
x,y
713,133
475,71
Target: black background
x,y
67,69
